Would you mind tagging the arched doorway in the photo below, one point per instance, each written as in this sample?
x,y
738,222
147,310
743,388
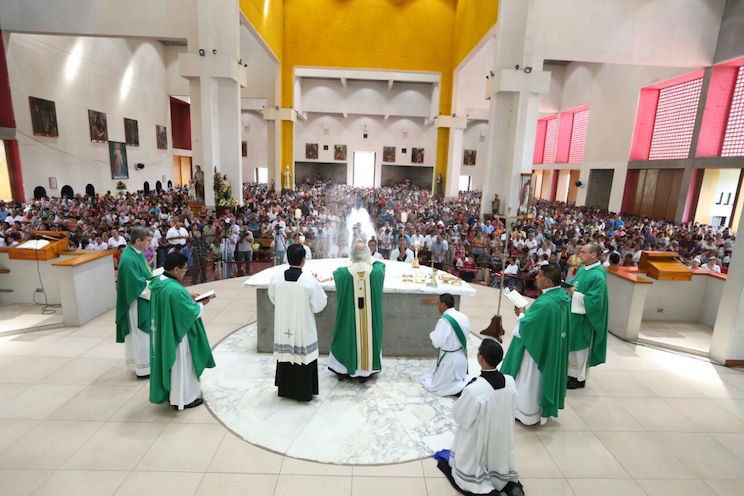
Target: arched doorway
x,y
147,187
158,186
39,192
90,190
67,191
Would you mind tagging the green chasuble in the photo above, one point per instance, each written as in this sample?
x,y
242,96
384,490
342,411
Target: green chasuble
x,y
344,344
174,315
544,334
592,284
131,281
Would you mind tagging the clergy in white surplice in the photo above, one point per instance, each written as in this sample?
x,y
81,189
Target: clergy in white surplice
x,y
481,460
537,358
296,296
356,346
451,337
132,303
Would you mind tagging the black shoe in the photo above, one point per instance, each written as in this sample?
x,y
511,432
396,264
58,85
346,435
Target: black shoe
x,y
193,404
574,383
143,376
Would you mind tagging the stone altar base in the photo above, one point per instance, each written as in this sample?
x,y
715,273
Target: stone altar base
x,y
408,320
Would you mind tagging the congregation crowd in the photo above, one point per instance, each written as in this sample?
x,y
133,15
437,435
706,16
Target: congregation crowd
x,y
446,232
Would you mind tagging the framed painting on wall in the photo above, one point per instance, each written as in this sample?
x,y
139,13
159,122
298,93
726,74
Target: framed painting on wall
x,y
525,196
161,135
311,151
131,132
244,148
468,157
417,155
43,117
388,154
118,158
339,152
98,126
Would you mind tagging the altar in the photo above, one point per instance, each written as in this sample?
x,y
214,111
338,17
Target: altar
x,y
409,305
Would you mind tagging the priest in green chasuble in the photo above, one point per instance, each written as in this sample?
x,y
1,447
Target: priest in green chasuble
x,y
587,343
179,345
356,346
537,358
132,303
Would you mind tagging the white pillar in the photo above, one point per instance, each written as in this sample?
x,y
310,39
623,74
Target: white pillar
x,y
215,79
454,161
514,104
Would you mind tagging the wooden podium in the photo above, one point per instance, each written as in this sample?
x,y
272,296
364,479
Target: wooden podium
x,y
664,266
48,252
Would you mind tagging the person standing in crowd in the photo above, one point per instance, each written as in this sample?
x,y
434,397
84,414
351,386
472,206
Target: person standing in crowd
x,y
296,296
245,251
537,358
589,316
199,250
132,303
180,348
279,245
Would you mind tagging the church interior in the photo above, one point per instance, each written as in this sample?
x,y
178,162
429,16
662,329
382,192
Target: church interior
x,y
511,132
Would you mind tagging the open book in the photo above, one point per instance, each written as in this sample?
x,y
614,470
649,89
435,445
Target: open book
x,y
517,299
205,296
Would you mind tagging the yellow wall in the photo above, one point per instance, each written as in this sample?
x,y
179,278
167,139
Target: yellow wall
x,y
707,194
404,35
473,19
5,193
266,17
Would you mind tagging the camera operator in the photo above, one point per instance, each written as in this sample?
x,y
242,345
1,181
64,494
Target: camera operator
x,y
228,246
279,245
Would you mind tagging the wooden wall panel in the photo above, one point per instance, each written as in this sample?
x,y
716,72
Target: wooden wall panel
x,y
572,189
649,192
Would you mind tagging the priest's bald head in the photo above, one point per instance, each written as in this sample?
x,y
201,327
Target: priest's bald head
x,y
360,252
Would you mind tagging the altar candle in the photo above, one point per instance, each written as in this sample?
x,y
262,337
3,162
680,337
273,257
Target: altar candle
x,y
298,214
404,217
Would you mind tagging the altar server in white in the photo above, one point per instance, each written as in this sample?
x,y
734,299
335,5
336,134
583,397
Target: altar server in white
x,y
451,337
482,456
296,296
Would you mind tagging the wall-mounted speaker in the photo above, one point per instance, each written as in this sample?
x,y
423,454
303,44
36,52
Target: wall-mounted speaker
x,y
139,166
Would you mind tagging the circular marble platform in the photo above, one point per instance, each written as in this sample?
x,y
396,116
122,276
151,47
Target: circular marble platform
x,y
389,419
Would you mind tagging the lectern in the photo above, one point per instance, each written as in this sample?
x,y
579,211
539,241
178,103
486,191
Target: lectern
x,y
48,251
664,266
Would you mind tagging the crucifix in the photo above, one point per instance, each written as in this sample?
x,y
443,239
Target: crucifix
x,y
496,329
288,334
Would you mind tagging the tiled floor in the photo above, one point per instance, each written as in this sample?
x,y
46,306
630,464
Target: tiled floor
x,y
16,317
686,336
72,422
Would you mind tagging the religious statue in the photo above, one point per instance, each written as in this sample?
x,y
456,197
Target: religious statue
x,y
227,188
218,186
287,183
439,191
495,204
199,183
192,190
357,352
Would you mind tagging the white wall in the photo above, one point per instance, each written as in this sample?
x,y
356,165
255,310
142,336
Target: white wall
x,y
381,132
728,181
177,85
38,66
474,138
254,133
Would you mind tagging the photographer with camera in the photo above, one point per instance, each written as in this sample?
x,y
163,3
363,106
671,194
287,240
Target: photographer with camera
x,y
245,249
227,249
279,245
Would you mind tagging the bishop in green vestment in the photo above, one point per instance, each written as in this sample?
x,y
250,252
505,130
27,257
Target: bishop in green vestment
x,y
589,313
180,348
537,358
132,303
356,346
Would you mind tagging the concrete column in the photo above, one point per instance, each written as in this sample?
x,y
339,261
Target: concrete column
x,y
727,343
215,79
454,162
514,91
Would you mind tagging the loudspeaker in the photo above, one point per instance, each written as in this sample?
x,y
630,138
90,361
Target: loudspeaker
x,y
579,184
139,166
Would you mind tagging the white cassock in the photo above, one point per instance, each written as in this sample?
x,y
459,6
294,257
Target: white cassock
x,y
529,388
377,256
578,360
137,343
482,455
451,374
185,387
396,252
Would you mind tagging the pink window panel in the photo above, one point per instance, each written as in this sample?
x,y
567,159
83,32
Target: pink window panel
x,y
733,141
675,120
550,132
578,137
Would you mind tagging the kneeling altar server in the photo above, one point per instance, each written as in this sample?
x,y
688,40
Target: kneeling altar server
x,y
179,345
296,296
451,337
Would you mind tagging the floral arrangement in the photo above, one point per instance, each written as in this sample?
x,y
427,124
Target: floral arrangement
x,y
121,186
